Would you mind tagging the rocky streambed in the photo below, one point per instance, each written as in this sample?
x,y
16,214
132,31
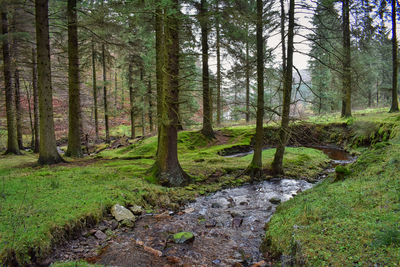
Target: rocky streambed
x,y
227,227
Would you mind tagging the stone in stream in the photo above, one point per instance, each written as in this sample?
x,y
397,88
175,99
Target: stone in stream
x,y
183,237
275,200
216,205
100,235
121,213
237,222
136,210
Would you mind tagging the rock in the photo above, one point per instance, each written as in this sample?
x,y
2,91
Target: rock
x,y
259,264
100,235
275,200
237,264
114,225
173,259
136,210
188,210
210,223
217,261
237,222
121,213
183,237
153,251
102,228
216,205
128,223
244,203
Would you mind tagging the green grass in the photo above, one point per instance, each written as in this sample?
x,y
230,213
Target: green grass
x,y
352,222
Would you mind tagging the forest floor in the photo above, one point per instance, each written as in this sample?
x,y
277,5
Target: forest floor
x,y
41,207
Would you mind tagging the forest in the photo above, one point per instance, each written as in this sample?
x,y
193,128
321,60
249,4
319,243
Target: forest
x,y
199,133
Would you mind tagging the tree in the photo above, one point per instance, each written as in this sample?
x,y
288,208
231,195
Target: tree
x,y
255,168
48,149
207,129
12,141
277,164
167,168
74,126
105,104
35,102
218,47
395,98
94,84
346,108
18,108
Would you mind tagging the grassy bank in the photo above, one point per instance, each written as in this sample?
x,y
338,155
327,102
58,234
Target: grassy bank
x,y
350,222
41,206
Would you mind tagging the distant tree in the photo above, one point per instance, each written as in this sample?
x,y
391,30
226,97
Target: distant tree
x,y
395,98
48,153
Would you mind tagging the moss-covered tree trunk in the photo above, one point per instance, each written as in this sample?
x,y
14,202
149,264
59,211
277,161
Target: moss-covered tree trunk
x,y
207,109
346,106
167,168
218,47
131,100
277,164
74,107
255,168
48,148
12,141
35,102
18,108
105,104
395,98
94,89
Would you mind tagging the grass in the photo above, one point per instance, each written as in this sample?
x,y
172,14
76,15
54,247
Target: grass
x,y
350,222
43,205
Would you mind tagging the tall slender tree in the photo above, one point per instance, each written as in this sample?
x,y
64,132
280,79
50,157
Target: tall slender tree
x,y
105,104
35,102
94,83
12,141
395,98
277,164
218,48
48,148
18,108
74,108
255,168
346,111
131,99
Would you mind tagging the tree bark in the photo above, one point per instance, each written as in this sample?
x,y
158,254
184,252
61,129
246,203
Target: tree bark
x,y
35,102
18,108
143,104
74,126
48,148
150,111
103,56
207,113
160,59
12,140
218,40
346,110
29,100
255,168
395,98
167,168
248,77
277,164
96,118
115,89
131,100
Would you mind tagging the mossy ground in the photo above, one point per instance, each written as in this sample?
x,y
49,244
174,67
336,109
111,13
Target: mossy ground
x,y
40,206
351,222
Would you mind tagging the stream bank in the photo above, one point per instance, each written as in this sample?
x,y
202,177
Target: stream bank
x,y
228,227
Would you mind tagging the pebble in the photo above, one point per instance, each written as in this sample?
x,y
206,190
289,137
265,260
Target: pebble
x,y
100,235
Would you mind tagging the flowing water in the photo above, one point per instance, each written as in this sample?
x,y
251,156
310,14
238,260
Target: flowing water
x,y
228,227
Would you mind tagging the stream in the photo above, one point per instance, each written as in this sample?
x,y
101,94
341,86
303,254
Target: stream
x,y
228,227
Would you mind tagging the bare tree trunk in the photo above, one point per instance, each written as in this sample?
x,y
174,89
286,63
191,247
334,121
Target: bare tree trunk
x,y
283,15
217,29
96,118
131,100
18,109
29,100
395,98
167,168
248,77
115,89
149,99
207,109
74,115
12,141
277,164
105,93
159,29
346,60
143,102
35,102
48,148
255,168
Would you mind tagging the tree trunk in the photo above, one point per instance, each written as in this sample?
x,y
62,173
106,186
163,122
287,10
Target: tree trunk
x,y
18,108
160,59
29,100
131,99
218,40
74,126
346,108
12,140
115,90
143,104
167,168
283,15
395,98
248,77
150,111
277,164
48,148
207,113
35,102
103,56
96,118
255,168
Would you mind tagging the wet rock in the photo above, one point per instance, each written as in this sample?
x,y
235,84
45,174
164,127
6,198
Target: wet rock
x,y
210,223
102,228
188,210
183,237
136,210
259,264
244,203
275,200
173,259
100,235
153,251
216,205
237,222
127,223
217,261
237,264
114,225
121,213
